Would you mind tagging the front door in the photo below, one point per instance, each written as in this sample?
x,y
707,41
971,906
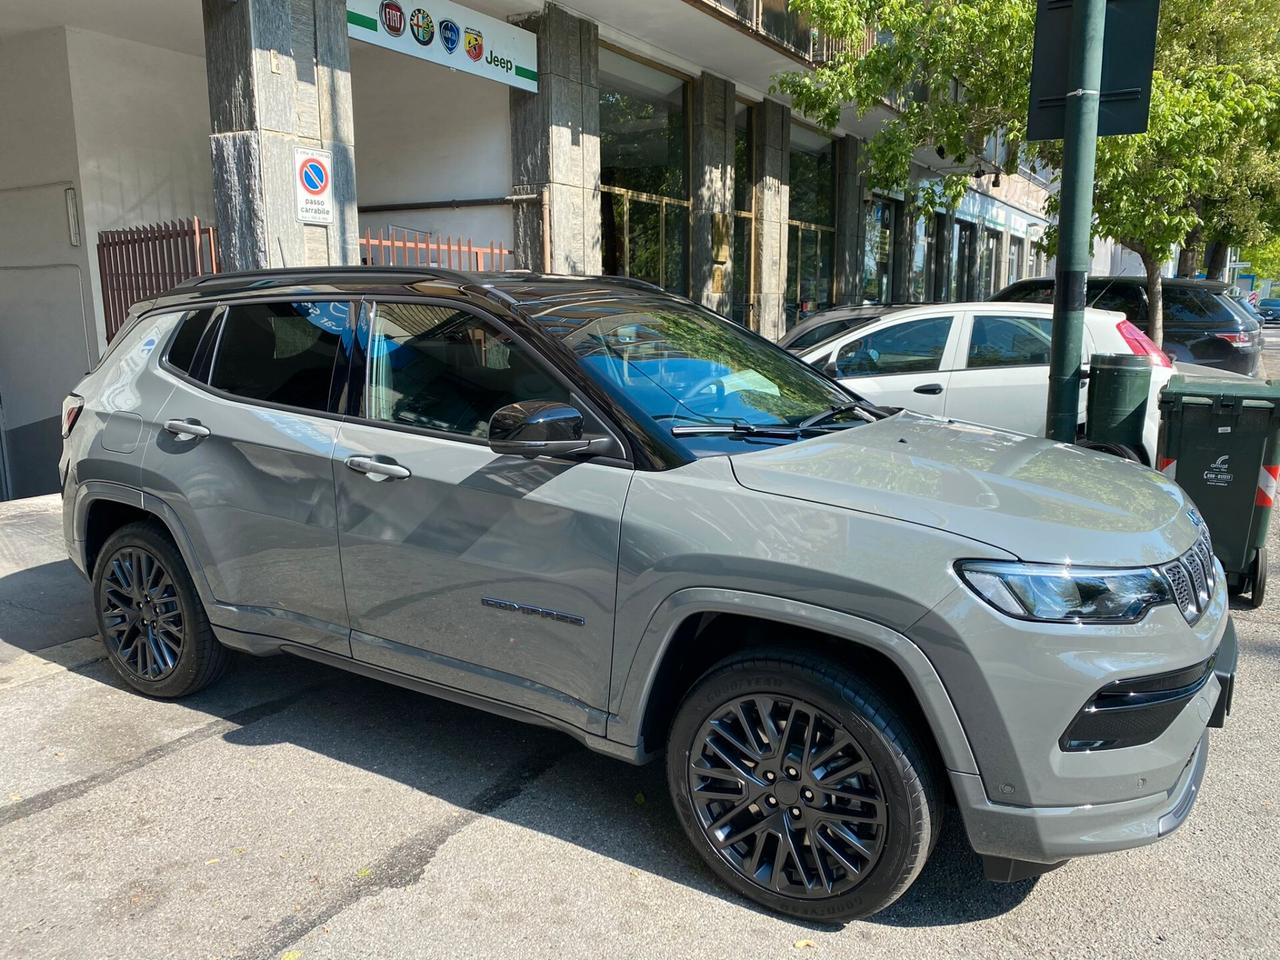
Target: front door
x,y
902,364
492,574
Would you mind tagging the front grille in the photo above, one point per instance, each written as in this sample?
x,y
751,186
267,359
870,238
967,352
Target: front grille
x,y
1193,576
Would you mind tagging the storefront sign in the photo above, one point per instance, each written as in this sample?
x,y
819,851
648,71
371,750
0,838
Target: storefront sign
x,y
313,184
448,34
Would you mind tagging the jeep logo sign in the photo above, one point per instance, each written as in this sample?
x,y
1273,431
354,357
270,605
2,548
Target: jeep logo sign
x,y
470,42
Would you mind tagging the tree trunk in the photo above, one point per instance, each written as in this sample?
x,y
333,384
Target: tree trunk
x,y
1192,253
1217,266
1155,298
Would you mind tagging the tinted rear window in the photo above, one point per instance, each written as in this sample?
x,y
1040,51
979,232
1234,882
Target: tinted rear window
x,y
280,352
188,339
1028,293
1197,307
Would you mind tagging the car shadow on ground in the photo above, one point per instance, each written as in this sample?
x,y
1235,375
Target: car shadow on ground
x,y
526,775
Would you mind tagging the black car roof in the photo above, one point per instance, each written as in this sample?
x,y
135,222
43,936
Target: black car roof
x,y
1217,286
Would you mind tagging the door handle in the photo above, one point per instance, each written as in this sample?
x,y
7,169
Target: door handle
x,y
378,470
933,389
187,429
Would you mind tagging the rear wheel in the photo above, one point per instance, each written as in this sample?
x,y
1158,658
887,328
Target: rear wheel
x,y
801,787
150,618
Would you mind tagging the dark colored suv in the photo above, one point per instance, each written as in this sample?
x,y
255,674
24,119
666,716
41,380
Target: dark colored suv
x,y
1201,322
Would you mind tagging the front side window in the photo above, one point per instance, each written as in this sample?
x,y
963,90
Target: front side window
x,y
1009,341
439,368
684,365
912,347
281,353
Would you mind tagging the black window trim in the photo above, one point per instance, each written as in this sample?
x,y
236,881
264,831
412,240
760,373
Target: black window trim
x,y
358,381
221,309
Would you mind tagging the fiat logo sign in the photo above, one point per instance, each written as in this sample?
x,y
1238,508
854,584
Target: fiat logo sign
x,y
392,16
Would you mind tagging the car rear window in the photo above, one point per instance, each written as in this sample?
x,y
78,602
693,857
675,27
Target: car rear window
x,y
1195,306
1028,293
281,353
818,333
188,340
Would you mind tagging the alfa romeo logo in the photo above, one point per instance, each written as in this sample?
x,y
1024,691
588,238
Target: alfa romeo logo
x,y
422,26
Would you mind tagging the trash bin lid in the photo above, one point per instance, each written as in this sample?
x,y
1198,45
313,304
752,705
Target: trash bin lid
x,y
1248,392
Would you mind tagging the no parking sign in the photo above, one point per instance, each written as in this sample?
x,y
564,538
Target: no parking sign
x,y
313,184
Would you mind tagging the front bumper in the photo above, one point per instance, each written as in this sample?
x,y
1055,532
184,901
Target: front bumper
x,y
1051,834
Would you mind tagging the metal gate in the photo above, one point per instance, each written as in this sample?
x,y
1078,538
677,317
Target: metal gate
x,y
142,262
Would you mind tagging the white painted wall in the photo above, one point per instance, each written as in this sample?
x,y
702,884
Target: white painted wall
x,y
424,132
142,135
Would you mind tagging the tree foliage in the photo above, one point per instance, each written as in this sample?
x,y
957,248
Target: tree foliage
x,y
1263,259
1207,169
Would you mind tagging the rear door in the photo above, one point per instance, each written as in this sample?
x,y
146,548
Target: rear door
x,y
900,363
243,455
493,574
1003,375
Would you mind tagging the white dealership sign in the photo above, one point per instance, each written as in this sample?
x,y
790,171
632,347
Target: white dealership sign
x,y
448,34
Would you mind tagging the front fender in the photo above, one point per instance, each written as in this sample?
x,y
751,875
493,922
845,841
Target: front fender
x,y
638,684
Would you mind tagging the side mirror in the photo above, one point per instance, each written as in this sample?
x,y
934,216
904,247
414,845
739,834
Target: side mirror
x,y
535,428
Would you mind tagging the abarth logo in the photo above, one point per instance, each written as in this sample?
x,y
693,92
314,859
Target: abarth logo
x,y
422,27
473,43
530,610
450,34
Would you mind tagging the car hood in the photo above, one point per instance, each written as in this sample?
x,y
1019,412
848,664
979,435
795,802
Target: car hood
x,y
1039,500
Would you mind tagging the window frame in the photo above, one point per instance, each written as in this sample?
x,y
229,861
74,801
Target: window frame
x,y
971,321
957,319
338,377
357,383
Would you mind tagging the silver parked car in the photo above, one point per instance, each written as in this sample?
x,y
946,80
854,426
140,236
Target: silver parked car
x,y
590,504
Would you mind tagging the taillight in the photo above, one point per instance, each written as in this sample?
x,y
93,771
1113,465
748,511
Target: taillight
x,y
1141,345
71,407
1239,339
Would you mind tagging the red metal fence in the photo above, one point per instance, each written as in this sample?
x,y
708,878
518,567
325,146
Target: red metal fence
x,y
395,247
141,262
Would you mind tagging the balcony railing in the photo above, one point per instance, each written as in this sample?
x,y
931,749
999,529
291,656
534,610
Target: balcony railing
x,y
774,20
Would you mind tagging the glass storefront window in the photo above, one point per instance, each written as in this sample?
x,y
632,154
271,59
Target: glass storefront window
x,y
877,255
920,257
1017,258
987,261
811,230
644,172
963,241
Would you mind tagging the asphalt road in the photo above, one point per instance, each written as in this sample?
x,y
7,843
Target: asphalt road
x,y
297,812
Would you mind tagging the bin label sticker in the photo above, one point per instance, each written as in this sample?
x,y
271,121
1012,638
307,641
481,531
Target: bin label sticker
x,y
1219,472
1224,429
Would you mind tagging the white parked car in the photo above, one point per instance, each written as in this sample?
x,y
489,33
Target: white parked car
x,y
981,362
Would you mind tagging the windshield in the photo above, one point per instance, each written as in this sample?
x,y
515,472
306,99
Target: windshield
x,y
683,365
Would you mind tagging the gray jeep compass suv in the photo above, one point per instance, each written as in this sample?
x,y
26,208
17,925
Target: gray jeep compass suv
x,y
593,505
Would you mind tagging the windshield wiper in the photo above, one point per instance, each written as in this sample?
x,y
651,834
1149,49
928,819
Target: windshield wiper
x,y
736,427
870,414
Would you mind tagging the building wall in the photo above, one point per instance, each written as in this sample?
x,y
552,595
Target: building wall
x,y
46,309
425,133
142,135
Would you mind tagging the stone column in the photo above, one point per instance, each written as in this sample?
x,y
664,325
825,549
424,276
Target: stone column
x,y
851,220
902,231
555,149
943,264
772,145
711,192
279,78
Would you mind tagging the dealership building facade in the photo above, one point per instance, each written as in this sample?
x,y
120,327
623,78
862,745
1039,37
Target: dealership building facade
x,y
598,136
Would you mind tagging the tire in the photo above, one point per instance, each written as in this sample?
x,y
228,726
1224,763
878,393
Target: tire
x,y
1115,449
890,787
156,634
1258,579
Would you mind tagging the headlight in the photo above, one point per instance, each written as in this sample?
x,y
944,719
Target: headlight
x,y
1066,594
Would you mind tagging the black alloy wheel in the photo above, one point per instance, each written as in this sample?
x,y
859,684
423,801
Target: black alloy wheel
x,y
787,797
141,614
152,622
802,786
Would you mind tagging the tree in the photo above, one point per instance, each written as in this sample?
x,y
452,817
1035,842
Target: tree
x,y
1264,259
1205,170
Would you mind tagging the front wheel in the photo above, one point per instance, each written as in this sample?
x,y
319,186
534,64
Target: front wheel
x,y
802,787
150,617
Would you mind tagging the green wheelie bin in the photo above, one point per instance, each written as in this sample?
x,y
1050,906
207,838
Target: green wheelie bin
x,y
1218,440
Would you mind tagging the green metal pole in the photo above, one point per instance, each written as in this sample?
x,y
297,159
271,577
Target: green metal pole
x,y
1084,77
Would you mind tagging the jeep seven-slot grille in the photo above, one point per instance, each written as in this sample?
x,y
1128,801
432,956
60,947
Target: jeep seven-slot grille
x,y
1192,577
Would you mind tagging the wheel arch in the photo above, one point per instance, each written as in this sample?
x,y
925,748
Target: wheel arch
x,y
695,628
